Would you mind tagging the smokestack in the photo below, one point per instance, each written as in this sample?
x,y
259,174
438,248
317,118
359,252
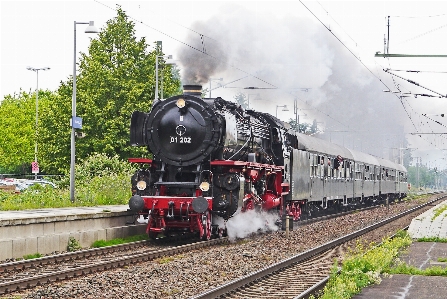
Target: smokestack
x,y
193,90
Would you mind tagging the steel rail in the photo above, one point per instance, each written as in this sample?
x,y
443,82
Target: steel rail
x,y
28,282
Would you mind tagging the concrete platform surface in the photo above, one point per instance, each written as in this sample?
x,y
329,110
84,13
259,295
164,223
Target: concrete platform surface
x,y
428,224
57,214
407,287
46,231
421,255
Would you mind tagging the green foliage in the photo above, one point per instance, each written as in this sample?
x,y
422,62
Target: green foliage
x,y
18,130
100,180
165,260
32,256
428,177
442,259
432,239
439,211
403,268
363,267
73,245
118,241
242,100
305,128
115,78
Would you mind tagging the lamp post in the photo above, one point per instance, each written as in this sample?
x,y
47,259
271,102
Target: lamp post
x,y
284,108
159,49
36,167
211,79
75,123
156,75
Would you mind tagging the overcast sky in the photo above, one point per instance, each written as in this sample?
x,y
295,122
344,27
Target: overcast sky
x,y
318,53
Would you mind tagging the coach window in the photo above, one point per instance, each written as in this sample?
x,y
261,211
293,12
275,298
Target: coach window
x,y
327,166
321,167
330,162
313,165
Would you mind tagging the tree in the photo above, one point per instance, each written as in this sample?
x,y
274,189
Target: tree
x,y
18,130
116,78
241,100
305,128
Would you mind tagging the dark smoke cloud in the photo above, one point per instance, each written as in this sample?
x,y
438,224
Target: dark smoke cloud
x,y
238,42
293,53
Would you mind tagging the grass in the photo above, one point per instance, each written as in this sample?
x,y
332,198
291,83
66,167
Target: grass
x,y
432,239
100,180
118,241
32,256
438,211
363,267
165,260
73,245
110,190
403,268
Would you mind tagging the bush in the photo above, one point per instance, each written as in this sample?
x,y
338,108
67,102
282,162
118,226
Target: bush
x,y
363,267
100,180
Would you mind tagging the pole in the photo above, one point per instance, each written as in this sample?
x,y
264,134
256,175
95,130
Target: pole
x,y
417,168
161,88
73,115
37,124
158,50
388,42
90,29
156,77
36,129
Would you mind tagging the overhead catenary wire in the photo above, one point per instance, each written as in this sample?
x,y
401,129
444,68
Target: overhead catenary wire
x,y
203,51
190,46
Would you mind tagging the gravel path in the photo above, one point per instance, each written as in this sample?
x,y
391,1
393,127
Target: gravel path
x,y
186,275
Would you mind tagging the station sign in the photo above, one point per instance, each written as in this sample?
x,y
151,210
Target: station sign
x,y
34,167
76,122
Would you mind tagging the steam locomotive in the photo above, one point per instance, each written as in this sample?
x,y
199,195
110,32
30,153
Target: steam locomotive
x,y
212,158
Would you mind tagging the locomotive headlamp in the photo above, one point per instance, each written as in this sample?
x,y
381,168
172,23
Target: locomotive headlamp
x,y
181,103
204,186
141,185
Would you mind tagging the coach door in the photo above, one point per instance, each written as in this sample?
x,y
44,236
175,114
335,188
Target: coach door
x,y
301,164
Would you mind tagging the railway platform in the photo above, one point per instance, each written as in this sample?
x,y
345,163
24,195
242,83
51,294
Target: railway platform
x,y
422,255
46,231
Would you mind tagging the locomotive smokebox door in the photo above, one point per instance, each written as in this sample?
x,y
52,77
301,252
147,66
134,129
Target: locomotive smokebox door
x,y
200,204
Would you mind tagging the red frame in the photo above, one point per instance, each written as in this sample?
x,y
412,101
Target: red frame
x,y
160,209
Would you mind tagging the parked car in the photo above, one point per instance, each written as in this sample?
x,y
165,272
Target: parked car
x,y
23,184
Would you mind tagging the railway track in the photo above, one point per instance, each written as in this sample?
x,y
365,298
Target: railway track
x,y
16,276
299,276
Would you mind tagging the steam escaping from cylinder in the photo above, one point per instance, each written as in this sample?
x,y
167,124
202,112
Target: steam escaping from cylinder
x,y
242,225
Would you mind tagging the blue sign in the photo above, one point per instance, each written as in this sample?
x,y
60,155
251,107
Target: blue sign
x,y
76,122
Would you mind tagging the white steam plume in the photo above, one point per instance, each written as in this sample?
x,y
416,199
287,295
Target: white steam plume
x,y
244,224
